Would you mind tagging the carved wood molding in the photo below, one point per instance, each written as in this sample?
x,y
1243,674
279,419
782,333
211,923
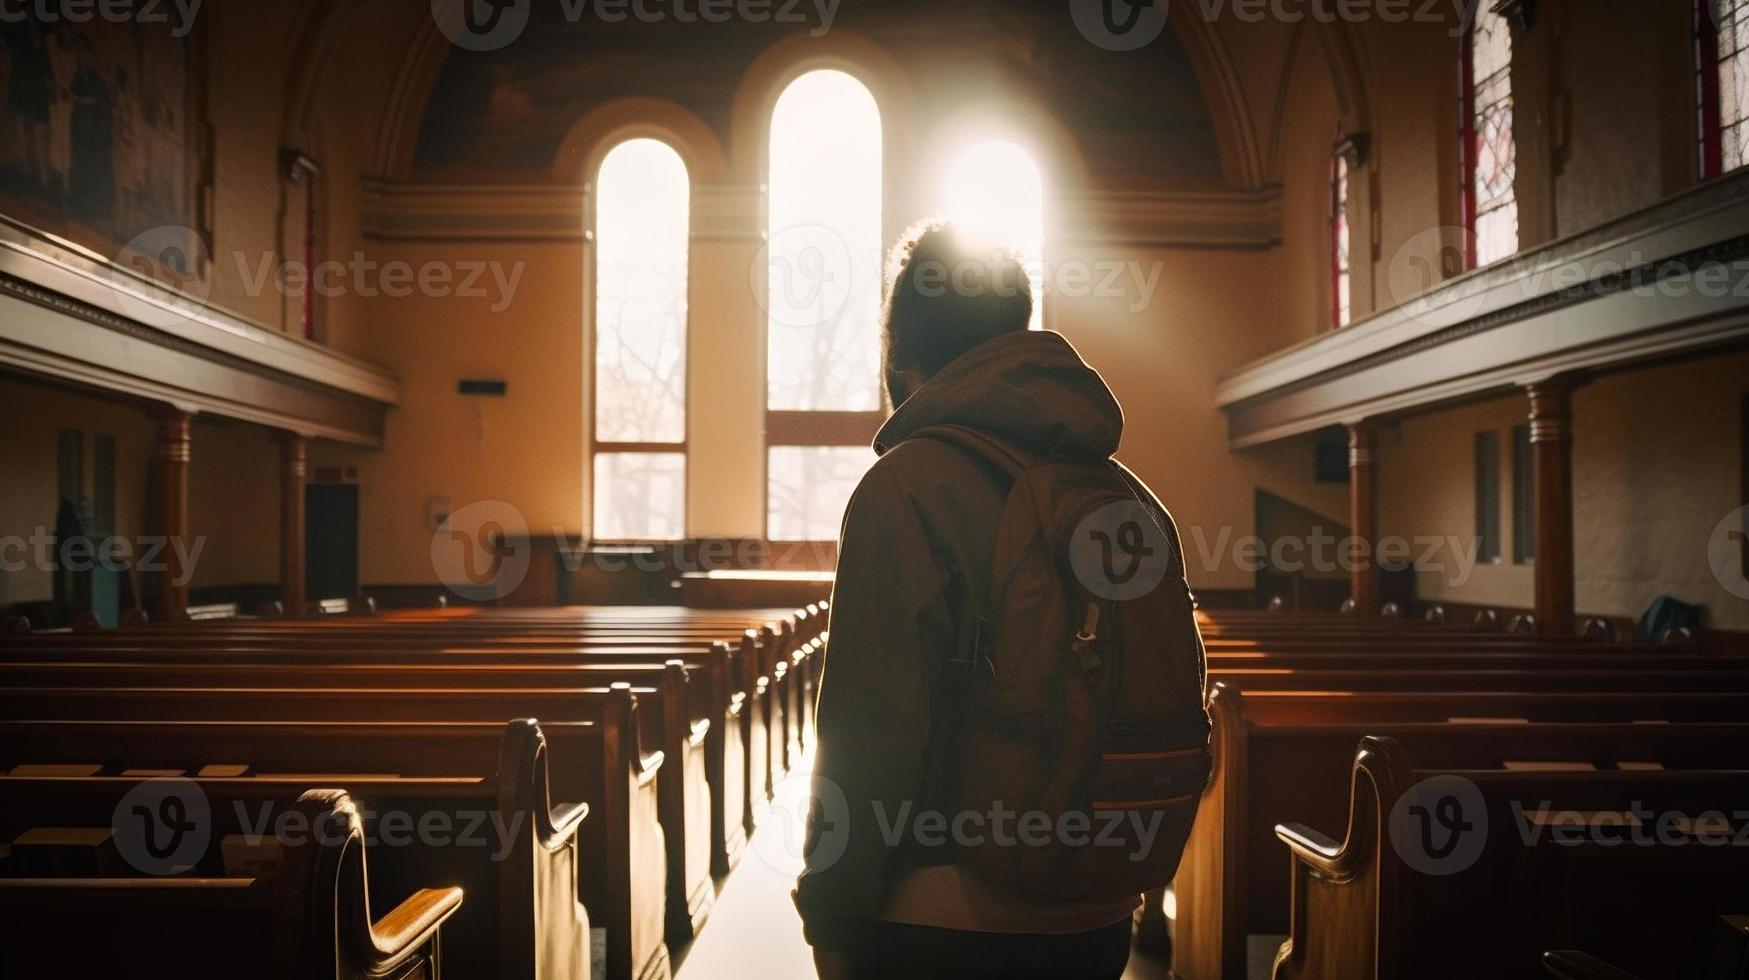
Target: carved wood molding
x,y
398,211
1670,281
1354,148
71,315
1522,13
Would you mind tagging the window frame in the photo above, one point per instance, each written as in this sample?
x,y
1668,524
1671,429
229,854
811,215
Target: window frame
x,y
599,447
1743,461
1709,62
1523,496
804,428
1341,226
1487,486
1709,106
1469,137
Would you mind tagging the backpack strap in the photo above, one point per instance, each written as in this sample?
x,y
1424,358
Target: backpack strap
x,y
972,656
980,446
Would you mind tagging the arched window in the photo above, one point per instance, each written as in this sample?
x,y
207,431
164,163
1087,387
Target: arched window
x,y
1341,263
993,190
1721,31
823,396
639,343
1490,148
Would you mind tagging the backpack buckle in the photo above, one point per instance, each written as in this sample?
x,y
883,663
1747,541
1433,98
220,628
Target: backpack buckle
x,y
977,660
1086,643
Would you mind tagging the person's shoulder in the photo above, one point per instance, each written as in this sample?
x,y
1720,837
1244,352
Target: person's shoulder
x,y
914,466
924,456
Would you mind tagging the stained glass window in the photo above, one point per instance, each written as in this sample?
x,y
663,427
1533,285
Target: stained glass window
x,y
1722,83
1491,161
1341,291
823,300
641,239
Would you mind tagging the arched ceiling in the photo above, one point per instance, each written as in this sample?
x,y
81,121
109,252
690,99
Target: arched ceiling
x,y
1139,118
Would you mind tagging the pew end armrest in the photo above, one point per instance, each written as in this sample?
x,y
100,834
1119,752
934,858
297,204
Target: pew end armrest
x,y
562,822
1323,854
1572,964
649,763
413,923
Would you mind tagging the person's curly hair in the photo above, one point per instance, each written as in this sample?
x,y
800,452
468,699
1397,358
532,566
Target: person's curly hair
x,y
946,294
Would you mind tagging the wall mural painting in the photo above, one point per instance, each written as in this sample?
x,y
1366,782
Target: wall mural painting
x,y
95,144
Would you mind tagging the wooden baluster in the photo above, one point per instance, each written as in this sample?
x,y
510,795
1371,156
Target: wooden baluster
x,y
1551,438
1363,517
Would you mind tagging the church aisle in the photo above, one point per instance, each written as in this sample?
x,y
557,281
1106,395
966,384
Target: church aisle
x,y
753,930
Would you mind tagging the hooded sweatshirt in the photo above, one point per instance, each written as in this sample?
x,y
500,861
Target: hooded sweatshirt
x,y
915,550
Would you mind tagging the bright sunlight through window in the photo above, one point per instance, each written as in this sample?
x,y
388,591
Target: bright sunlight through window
x,y
993,191
823,278
641,230
823,283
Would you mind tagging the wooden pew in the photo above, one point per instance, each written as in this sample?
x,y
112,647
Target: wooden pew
x,y
683,793
713,589
523,918
1460,661
1365,910
775,644
1281,755
709,681
1583,677
745,671
308,919
773,655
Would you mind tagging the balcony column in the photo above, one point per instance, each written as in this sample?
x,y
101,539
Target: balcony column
x,y
1551,438
1363,517
174,426
293,467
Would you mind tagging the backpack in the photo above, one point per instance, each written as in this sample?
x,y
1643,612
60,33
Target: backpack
x,y
1080,735
1664,617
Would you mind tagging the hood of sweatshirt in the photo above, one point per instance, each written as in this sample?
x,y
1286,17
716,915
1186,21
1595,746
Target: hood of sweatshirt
x,y
1028,389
